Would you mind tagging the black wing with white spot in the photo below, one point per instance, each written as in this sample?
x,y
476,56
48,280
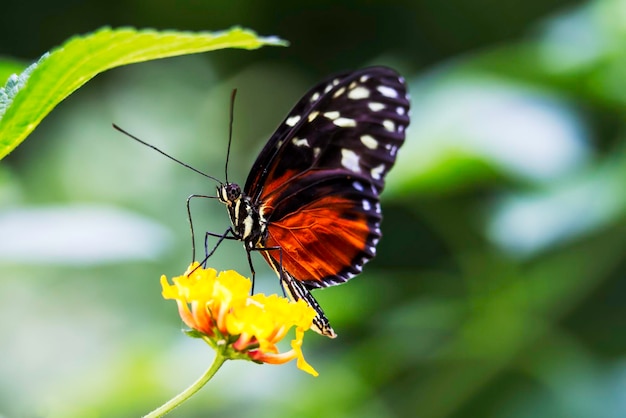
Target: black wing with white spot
x,y
352,121
318,179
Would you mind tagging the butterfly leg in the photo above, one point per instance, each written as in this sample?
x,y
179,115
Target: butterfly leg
x,y
221,237
280,256
251,271
193,237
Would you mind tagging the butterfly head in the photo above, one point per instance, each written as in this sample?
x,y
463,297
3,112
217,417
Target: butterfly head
x,y
229,193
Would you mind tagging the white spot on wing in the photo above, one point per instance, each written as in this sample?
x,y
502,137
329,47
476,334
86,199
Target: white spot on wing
x,y
328,88
375,106
315,97
387,91
313,115
358,186
300,142
331,115
316,152
400,110
366,205
291,121
369,141
378,171
350,160
389,125
345,122
359,93
339,92
364,78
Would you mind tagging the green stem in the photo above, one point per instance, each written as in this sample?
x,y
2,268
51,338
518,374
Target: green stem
x,y
167,407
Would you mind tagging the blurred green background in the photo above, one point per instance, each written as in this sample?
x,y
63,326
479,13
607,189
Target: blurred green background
x,y
499,286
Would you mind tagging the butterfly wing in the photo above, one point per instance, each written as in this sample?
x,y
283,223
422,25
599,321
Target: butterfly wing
x,y
318,179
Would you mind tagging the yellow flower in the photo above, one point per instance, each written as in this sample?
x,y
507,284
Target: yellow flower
x,y
220,309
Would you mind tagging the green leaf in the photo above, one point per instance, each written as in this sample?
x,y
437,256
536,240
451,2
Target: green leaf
x,y
193,333
26,99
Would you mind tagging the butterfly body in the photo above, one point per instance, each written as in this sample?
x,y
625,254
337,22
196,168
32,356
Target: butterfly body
x,y
247,224
310,204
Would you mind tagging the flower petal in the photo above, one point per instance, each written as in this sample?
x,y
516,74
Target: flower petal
x,y
220,307
296,345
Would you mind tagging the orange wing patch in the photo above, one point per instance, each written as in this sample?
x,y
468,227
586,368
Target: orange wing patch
x,y
278,182
320,240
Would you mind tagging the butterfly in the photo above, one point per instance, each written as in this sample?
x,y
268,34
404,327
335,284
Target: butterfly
x,y
310,204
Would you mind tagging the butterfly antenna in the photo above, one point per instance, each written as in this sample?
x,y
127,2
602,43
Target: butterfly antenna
x,y
164,153
230,130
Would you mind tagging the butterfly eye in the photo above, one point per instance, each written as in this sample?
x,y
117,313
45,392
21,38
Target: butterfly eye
x,y
233,192
228,193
